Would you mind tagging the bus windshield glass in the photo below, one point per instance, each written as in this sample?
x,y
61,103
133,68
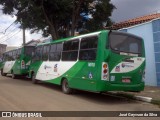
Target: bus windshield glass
x,y
29,50
122,42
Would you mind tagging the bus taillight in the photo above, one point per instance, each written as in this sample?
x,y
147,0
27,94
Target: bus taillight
x,y
105,69
22,64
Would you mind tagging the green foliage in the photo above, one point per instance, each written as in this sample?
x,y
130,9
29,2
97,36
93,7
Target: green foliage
x,y
60,18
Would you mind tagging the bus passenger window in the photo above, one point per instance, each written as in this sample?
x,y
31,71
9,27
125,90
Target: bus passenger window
x,y
70,50
14,54
18,53
55,52
45,52
88,48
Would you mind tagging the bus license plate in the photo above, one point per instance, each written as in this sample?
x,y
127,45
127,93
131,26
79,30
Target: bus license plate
x,y
126,80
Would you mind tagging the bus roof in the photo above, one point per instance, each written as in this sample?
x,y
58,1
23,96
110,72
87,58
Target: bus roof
x,y
71,38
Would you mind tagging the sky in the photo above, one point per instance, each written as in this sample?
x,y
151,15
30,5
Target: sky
x,y
128,9
13,35
125,9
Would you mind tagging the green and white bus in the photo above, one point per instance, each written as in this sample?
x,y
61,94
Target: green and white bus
x,y
98,62
17,61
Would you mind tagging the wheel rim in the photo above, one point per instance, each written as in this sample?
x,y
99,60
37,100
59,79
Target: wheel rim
x,y
65,86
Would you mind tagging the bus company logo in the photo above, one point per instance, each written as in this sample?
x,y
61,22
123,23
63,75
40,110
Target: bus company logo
x,y
126,65
55,67
117,69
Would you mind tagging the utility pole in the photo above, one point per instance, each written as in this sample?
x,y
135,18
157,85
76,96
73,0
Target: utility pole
x,y
24,38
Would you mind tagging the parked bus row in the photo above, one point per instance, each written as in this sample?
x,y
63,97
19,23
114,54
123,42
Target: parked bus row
x,y
16,62
99,62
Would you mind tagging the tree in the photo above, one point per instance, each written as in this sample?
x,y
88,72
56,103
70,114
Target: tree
x,y
60,18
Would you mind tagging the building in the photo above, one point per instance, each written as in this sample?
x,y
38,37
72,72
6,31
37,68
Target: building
x,y
148,27
2,49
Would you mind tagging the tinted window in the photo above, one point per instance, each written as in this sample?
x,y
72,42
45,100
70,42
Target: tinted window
x,y
120,42
88,48
70,56
10,57
70,50
4,57
18,53
14,54
89,42
59,47
71,45
55,52
38,53
45,52
53,48
29,50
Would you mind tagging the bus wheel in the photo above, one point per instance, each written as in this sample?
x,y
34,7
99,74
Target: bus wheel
x,y
2,73
65,87
34,81
13,75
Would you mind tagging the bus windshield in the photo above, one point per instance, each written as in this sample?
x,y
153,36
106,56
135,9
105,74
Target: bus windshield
x,y
122,42
29,50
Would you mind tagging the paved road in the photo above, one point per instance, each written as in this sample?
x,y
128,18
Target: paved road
x,y
22,95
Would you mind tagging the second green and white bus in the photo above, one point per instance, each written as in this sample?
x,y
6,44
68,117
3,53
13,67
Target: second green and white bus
x,y
17,61
99,62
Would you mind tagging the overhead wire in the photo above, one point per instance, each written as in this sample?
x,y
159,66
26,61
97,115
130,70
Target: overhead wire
x,y
10,37
10,33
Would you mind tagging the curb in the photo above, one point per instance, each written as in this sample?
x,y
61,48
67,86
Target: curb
x,y
142,98
134,97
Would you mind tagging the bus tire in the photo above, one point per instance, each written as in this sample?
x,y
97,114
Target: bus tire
x,y
65,87
13,75
34,81
2,73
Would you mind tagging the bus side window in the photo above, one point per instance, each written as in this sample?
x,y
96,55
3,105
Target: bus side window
x,y
10,56
70,50
55,52
45,52
18,53
88,48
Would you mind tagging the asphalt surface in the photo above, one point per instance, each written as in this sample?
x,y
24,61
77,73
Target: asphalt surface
x,y
22,95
